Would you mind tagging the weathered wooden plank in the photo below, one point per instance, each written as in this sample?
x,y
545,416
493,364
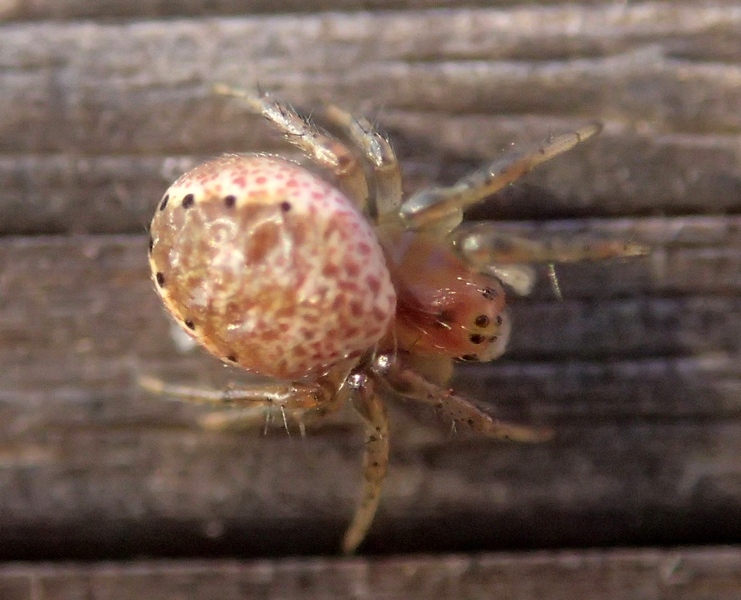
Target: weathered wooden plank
x,y
620,173
152,9
587,391
93,293
141,86
139,489
637,369
82,194
137,84
85,491
96,119
92,466
579,575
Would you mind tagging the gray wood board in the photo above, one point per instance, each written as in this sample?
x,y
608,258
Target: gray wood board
x,y
680,574
97,118
153,9
637,369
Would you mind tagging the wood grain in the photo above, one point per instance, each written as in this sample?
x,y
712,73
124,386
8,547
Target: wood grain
x,y
611,575
153,9
105,103
643,401
96,118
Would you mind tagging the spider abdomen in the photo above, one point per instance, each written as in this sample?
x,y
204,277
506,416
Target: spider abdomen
x,y
269,267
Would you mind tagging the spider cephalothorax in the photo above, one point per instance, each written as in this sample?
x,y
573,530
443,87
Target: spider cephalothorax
x,y
344,292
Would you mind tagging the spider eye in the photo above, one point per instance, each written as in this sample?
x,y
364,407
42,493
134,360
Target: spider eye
x,y
498,343
490,292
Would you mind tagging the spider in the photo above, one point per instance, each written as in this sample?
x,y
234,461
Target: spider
x,y
344,291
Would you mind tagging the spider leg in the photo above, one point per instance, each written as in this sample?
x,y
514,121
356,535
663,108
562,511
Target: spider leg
x,y
521,278
325,150
507,256
460,410
372,410
485,248
441,209
265,404
249,417
378,153
482,244
291,397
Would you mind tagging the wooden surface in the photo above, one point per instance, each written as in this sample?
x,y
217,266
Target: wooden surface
x,y
637,369
648,574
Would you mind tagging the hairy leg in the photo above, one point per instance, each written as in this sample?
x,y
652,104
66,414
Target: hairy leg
x,y
371,409
378,153
482,244
441,209
486,248
292,396
323,149
460,410
521,278
242,419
